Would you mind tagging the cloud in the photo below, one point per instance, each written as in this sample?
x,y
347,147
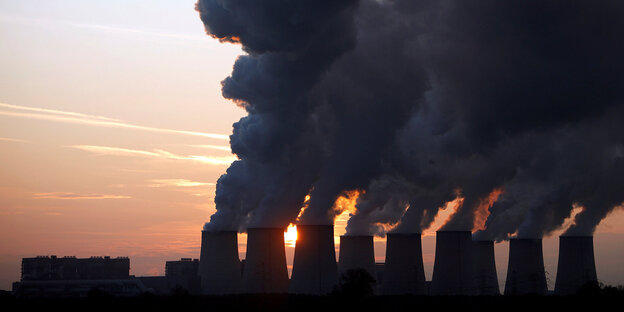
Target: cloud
x,y
98,121
178,183
156,153
69,195
215,147
105,28
55,112
13,140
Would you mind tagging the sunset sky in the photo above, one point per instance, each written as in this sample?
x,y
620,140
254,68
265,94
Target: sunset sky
x,y
113,133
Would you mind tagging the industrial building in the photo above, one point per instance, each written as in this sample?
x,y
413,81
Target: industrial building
x,y
265,264
357,252
183,275
576,265
219,265
51,276
315,271
404,272
525,271
453,268
486,279
72,268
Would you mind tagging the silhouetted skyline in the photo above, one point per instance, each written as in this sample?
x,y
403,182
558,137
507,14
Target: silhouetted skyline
x,y
497,118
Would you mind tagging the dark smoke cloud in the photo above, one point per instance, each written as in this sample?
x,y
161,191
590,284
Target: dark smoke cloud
x,y
364,101
521,78
290,45
418,102
381,208
525,97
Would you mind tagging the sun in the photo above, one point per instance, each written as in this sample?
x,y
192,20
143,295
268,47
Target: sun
x,y
290,235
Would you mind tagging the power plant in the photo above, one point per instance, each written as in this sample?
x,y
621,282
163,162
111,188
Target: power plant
x,y
453,269
486,280
357,252
576,265
265,264
315,271
404,272
525,271
462,266
219,267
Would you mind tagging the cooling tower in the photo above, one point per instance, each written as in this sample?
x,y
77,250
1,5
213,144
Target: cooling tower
x,y
486,279
403,272
314,267
576,264
219,266
453,269
265,263
357,252
525,271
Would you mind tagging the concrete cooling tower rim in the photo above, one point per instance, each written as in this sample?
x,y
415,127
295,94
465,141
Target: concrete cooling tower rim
x,y
315,271
576,265
265,268
525,269
453,270
356,252
404,271
219,264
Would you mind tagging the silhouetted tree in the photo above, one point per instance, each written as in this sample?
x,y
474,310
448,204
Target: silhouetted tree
x,y
356,283
592,288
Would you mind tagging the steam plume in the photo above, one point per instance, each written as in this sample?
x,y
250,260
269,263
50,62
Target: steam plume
x,y
417,103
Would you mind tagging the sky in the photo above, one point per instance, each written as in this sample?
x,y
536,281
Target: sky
x,y
113,133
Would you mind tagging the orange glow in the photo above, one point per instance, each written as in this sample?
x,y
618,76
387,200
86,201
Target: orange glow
x,y
290,235
444,215
306,202
570,220
482,212
347,202
340,227
344,206
229,39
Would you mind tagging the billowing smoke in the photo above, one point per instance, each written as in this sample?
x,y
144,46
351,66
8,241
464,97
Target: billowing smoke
x,y
363,102
537,106
515,108
289,45
381,208
523,99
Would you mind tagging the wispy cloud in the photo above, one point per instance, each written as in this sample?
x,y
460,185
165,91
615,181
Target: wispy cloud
x,y
214,147
178,183
13,140
91,120
136,31
69,196
55,112
156,153
104,28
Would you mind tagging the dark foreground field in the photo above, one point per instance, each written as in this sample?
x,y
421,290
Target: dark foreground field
x,y
605,301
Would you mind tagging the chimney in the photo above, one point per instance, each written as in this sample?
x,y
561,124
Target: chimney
x,y
314,268
485,268
576,264
525,271
265,264
219,267
453,270
356,252
403,272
